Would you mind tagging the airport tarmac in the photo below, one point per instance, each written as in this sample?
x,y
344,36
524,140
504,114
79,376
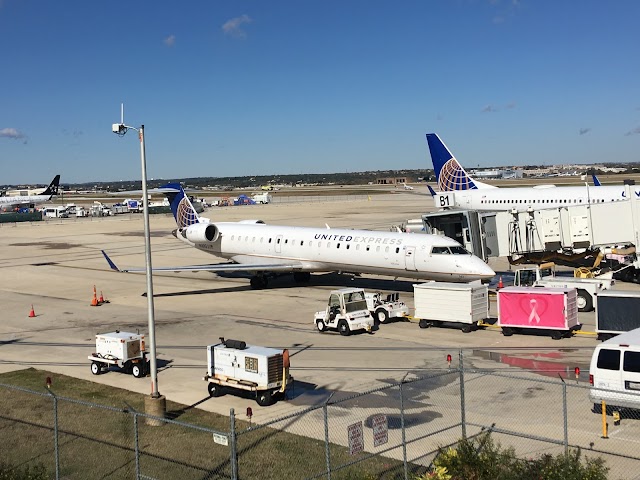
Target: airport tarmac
x,y
54,265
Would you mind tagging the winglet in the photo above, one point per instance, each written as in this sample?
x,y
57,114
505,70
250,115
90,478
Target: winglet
x,y
596,182
111,264
431,191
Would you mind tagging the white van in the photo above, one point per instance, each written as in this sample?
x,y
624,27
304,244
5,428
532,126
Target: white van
x,y
55,211
615,368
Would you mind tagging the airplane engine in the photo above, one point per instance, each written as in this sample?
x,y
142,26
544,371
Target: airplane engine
x,y
202,232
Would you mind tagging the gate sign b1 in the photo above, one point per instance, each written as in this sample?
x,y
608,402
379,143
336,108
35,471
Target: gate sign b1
x,y
380,430
356,438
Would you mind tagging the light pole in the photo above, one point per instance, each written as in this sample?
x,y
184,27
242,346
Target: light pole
x,y
120,129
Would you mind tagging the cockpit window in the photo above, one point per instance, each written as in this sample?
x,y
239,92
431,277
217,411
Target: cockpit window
x,y
455,250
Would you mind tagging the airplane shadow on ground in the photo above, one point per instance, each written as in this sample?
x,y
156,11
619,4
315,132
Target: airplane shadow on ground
x,y
333,280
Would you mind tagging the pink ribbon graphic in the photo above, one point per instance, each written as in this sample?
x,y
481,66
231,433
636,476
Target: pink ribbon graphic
x,y
533,303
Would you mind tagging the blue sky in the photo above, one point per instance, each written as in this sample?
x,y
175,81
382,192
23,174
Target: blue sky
x,y
253,87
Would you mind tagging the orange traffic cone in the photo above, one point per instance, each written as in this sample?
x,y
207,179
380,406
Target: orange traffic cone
x,y
500,284
94,300
101,299
32,313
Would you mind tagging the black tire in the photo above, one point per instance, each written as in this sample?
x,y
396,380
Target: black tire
x,y
466,328
557,334
301,277
264,398
381,316
321,326
343,328
96,368
597,408
258,283
215,390
423,323
507,331
584,301
137,370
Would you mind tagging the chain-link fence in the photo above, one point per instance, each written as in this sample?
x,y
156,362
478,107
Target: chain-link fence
x,y
391,432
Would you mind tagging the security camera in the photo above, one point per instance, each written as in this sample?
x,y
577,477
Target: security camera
x,y
119,128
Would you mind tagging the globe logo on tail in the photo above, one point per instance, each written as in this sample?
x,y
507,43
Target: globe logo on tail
x,y
453,177
185,214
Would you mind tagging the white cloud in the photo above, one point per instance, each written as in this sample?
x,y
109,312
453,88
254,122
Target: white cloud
x,y
12,133
489,109
170,41
233,26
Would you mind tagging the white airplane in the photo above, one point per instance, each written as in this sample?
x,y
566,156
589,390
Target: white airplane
x,y
460,191
20,200
263,249
407,187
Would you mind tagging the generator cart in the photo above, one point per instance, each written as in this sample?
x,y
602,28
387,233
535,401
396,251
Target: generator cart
x,y
234,365
122,349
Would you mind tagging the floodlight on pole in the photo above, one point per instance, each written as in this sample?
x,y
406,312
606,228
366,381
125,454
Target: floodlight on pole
x,y
121,129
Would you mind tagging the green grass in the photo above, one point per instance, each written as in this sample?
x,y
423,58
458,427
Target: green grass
x,y
99,443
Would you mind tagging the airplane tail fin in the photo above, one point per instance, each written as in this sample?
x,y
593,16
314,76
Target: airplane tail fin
x,y
596,182
449,173
52,189
181,206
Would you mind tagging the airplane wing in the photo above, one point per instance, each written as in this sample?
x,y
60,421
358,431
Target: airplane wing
x,y
215,267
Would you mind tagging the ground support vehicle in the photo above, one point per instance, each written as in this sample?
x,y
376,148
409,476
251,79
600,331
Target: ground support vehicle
x,y
617,311
346,312
544,276
614,373
234,365
553,310
441,303
383,308
122,349
261,198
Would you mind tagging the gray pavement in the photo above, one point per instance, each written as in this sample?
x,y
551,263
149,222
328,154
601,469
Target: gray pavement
x,y
54,265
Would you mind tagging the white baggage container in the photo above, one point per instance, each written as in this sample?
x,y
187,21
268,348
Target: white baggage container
x,y
463,303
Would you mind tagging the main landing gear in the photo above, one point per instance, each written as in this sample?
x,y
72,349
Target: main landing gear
x,y
259,281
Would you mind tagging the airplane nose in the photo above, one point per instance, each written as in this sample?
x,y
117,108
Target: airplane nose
x,y
484,270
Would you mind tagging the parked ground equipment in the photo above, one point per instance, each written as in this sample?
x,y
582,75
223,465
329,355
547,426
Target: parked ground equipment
x,y
544,276
441,303
617,311
553,310
234,365
346,312
385,307
121,349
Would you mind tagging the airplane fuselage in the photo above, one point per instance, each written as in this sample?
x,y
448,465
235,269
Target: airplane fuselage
x,y
420,256
524,198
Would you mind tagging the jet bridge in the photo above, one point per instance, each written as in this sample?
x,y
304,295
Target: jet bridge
x,y
568,235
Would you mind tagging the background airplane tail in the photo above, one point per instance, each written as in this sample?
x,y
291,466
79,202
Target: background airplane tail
x,y
52,189
181,206
449,173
